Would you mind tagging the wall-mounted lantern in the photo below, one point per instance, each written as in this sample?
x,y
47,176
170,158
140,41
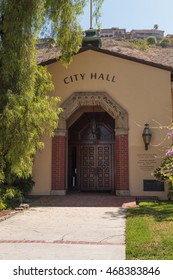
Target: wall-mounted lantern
x,y
146,135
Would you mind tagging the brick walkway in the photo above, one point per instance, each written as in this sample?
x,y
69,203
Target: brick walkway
x,y
61,242
83,200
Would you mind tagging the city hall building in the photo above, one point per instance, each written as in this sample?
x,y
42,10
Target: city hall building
x,y
111,103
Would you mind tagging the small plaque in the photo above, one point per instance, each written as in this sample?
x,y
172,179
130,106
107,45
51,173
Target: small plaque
x,y
153,186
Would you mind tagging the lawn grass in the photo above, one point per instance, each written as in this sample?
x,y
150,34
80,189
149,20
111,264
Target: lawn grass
x,y
149,231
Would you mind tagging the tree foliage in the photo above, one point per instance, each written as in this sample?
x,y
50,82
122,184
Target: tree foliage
x,y
156,27
27,111
97,10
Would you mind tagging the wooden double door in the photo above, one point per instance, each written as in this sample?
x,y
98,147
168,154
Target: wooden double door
x,y
91,153
96,172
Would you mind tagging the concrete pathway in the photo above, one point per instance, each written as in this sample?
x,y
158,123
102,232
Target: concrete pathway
x,y
61,232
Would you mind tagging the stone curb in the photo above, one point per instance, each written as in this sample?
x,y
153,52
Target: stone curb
x,y
21,208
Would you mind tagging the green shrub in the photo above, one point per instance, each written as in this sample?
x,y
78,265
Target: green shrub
x,y
165,43
170,192
10,197
151,40
24,185
12,193
139,44
2,204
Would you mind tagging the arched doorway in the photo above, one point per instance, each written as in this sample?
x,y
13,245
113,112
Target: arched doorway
x,y
91,140
70,147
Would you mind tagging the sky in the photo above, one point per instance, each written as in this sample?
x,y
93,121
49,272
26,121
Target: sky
x,y
134,14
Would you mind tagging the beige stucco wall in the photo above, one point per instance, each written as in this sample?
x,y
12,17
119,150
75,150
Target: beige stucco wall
x,y
42,169
143,91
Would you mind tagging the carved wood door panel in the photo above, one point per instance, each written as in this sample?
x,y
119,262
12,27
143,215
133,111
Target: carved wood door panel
x,y
96,167
87,167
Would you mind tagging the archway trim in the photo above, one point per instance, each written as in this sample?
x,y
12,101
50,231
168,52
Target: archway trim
x,y
80,99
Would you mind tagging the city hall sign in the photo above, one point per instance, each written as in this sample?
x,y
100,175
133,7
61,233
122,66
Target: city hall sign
x,y
89,76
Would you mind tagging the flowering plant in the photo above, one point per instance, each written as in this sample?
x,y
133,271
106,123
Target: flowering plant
x,y
165,171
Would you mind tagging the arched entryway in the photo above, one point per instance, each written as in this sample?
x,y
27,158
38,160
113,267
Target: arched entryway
x,y
91,152
90,148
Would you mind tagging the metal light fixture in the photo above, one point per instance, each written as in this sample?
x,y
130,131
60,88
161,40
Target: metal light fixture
x,y
146,135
